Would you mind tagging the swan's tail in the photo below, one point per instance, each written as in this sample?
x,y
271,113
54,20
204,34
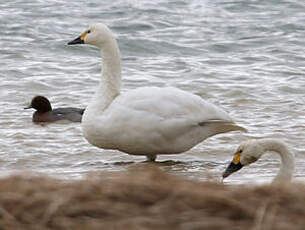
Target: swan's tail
x,y
221,126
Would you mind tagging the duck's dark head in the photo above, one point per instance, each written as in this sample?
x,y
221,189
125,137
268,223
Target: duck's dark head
x,y
41,104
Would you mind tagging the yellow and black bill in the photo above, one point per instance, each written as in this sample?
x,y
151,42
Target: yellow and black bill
x,y
78,40
231,169
234,166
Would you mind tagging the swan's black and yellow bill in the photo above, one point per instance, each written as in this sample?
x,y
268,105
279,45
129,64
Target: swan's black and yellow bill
x,y
234,166
78,40
231,169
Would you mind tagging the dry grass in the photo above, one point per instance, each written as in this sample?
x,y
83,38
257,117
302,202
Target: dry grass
x,y
146,198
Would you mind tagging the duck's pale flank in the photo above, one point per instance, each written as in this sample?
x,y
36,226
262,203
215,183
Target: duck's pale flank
x,y
149,120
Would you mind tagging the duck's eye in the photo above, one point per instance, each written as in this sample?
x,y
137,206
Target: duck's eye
x,y
240,151
89,31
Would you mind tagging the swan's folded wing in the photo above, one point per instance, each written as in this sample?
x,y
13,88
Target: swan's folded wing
x,y
225,125
164,118
172,103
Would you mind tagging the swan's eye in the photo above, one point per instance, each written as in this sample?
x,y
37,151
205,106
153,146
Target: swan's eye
x,y
89,31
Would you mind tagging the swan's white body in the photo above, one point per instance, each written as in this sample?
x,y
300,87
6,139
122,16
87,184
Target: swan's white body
x,y
251,150
145,121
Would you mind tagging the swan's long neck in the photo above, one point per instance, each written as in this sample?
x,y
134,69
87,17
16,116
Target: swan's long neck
x,y
110,84
287,158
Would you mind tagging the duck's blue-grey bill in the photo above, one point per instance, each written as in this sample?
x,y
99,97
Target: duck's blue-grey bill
x,y
76,41
231,169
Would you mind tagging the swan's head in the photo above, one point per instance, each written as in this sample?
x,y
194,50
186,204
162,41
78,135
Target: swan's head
x,y
247,153
97,35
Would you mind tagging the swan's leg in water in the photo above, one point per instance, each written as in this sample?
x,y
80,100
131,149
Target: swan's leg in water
x,y
151,157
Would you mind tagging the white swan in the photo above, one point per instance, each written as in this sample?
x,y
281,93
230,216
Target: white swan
x,y
145,121
251,150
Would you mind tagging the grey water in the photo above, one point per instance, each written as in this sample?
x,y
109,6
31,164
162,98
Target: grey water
x,y
247,57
